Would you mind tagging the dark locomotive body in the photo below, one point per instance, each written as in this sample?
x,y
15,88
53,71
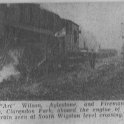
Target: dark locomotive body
x,y
30,25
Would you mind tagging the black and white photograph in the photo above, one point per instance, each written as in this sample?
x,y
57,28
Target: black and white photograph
x,y
62,51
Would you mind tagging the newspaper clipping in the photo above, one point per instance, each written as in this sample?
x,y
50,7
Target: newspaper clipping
x,y
62,62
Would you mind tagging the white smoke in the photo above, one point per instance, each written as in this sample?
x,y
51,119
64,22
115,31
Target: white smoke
x,y
89,39
9,69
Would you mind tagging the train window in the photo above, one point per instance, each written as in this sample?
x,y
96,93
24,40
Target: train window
x,y
31,14
2,7
67,27
75,37
8,5
27,12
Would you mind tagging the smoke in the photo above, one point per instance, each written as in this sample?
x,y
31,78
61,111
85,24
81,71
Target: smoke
x,y
8,71
9,68
89,39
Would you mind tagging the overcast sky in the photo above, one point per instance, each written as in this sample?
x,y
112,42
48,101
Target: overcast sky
x,y
102,19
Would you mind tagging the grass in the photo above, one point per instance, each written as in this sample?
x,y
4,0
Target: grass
x,y
79,83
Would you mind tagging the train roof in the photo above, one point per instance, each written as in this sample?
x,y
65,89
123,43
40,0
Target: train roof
x,y
37,5
40,7
63,19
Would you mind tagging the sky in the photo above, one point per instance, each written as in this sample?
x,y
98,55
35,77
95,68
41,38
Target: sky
x,y
102,19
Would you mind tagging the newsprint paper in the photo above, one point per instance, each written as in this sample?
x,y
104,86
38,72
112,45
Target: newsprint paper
x,y
62,62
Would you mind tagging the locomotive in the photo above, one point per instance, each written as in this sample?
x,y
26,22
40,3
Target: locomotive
x,y
37,29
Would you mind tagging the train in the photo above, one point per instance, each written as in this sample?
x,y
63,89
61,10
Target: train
x,y
50,41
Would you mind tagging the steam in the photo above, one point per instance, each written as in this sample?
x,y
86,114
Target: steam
x,y
9,68
89,39
8,71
